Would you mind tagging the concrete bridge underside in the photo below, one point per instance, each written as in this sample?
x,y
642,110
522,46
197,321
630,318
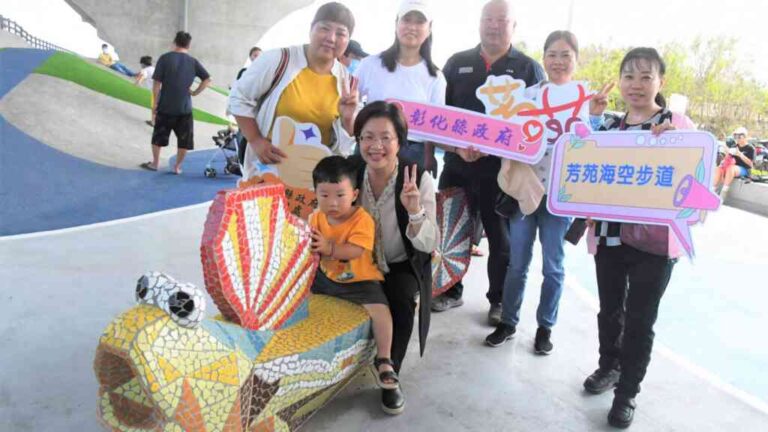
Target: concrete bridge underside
x,y
222,31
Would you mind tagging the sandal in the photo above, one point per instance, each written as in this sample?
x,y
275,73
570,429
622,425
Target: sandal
x,y
383,377
148,166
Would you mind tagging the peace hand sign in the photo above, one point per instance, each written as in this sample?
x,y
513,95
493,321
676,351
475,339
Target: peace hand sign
x,y
348,103
599,101
410,197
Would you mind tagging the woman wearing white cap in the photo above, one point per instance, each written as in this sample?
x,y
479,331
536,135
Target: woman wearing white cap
x,y
406,71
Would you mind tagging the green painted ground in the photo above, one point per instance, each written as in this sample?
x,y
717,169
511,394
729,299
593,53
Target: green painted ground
x,y
72,68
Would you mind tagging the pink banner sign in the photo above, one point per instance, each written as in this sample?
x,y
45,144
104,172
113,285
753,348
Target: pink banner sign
x,y
635,177
518,124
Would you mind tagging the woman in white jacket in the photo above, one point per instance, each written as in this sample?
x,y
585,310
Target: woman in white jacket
x,y
305,83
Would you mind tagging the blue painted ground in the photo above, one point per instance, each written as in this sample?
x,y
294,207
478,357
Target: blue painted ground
x,y
16,64
714,310
44,189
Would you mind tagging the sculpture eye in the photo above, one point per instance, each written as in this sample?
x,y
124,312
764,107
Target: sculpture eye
x,y
181,304
142,288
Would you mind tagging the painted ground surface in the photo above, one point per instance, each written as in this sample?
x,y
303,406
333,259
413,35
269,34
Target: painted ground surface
x,y
70,155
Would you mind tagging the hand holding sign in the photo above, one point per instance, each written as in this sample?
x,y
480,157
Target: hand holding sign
x,y
469,154
635,177
268,153
659,128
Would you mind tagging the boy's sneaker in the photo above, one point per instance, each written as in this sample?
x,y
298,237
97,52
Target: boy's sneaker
x,y
542,345
602,380
503,333
443,302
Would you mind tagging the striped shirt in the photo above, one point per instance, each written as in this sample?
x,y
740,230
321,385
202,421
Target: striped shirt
x,y
609,233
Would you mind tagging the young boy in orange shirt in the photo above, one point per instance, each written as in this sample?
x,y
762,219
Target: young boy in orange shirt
x,y
343,235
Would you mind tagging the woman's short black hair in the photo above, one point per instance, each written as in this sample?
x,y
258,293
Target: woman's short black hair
x,y
145,61
382,109
651,56
250,53
335,12
334,169
182,39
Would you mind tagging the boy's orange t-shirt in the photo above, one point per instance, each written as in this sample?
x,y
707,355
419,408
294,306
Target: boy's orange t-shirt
x,y
359,230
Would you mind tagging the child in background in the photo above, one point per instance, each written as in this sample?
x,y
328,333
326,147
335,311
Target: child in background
x,y
343,235
144,78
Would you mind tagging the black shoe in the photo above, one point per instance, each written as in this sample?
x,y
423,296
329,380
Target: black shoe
x,y
622,412
503,333
542,344
392,401
601,380
494,314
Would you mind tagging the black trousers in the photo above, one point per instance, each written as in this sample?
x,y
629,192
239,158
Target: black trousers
x,y
482,191
630,284
401,288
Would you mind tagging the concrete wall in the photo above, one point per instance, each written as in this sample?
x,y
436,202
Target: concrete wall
x,y
222,31
752,197
8,40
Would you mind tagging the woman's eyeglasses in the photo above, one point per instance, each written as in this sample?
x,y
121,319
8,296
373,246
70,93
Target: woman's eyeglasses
x,y
370,140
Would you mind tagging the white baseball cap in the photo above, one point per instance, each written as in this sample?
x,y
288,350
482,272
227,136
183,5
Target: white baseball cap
x,y
415,5
740,130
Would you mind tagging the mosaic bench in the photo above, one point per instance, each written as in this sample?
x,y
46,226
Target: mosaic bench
x,y
274,356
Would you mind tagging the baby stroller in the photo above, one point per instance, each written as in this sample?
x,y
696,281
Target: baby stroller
x,y
228,141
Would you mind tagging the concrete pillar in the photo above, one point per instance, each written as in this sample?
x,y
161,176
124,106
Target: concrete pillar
x,y
222,31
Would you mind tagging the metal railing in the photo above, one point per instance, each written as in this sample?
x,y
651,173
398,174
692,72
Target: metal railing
x,y
14,28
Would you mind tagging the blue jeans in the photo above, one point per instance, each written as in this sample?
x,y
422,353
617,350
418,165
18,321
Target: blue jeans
x,y
522,233
123,69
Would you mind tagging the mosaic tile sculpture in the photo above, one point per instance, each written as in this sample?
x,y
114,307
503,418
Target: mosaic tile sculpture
x,y
301,201
451,261
273,358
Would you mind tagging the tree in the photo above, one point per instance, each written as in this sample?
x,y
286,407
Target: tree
x,y
721,95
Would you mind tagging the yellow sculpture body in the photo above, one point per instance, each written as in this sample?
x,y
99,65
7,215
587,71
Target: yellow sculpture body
x,y
275,356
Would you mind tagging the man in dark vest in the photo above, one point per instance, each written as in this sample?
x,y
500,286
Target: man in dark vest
x,y
476,173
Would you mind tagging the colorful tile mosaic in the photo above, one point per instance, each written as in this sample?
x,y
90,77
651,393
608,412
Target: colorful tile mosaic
x,y
301,201
257,262
451,261
273,358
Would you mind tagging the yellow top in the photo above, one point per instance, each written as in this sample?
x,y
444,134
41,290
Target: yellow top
x,y
311,98
358,230
106,59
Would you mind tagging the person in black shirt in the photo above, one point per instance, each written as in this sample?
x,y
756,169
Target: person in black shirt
x,y
467,168
739,163
174,73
